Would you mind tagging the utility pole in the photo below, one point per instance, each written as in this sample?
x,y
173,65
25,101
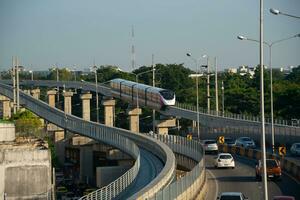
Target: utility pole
x,y
216,87
208,93
18,85
14,84
97,96
262,101
57,79
153,84
132,49
223,98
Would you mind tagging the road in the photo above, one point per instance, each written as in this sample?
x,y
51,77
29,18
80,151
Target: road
x,y
242,179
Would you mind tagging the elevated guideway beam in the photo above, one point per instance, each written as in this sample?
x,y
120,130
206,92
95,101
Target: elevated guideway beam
x,y
110,135
224,124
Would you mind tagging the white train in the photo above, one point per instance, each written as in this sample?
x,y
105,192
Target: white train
x,y
149,96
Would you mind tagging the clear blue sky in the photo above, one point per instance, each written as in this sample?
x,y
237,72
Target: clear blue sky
x,y
74,32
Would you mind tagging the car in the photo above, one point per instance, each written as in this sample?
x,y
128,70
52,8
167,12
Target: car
x,y
283,198
229,141
232,196
295,149
273,169
210,145
224,160
245,142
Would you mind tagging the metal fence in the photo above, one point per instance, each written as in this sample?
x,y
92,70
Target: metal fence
x,y
190,186
202,110
113,189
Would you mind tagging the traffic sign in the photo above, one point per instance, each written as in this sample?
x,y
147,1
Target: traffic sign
x,y
221,140
282,150
189,136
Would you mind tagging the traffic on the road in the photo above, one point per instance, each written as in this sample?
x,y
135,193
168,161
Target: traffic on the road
x,y
237,177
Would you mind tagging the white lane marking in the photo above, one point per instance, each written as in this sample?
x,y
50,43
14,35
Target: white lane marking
x,y
215,181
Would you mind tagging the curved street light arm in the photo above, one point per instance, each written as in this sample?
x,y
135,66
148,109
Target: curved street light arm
x,y
277,12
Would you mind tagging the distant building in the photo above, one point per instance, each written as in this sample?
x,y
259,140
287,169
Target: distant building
x,y
231,70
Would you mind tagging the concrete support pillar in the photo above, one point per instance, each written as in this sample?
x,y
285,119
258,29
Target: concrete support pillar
x,y
68,102
86,108
6,109
51,97
109,111
86,165
36,93
59,145
134,123
162,126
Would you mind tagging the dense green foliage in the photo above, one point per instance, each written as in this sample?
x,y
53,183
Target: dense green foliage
x,y
28,124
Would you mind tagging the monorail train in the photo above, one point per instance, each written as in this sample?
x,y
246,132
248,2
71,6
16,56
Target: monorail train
x,y
153,97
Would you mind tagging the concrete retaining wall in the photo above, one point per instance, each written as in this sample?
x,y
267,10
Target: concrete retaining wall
x,y
7,132
25,173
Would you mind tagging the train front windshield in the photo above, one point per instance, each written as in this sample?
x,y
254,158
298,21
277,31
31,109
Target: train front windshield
x,y
167,94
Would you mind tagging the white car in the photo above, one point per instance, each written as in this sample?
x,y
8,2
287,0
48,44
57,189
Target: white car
x,y
232,196
295,149
210,145
245,142
224,160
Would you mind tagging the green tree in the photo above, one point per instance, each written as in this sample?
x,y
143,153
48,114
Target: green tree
x,y
64,74
28,124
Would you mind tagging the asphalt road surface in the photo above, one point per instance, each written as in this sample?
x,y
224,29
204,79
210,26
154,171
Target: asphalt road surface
x,y
242,179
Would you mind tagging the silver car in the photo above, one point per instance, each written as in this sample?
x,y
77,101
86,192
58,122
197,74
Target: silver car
x,y
295,149
245,142
232,196
210,145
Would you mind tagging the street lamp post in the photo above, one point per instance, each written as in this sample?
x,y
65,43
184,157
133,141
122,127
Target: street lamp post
x,y
261,59
31,73
271,78
197,89
14,84
57,79
222,98
18,84
277,12
97,97
153,84
208,91
216,87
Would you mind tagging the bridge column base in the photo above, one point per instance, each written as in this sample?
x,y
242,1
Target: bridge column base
x,y
36,93
68,101
134,119
6,107
162,126
59,145
109,111
51,97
